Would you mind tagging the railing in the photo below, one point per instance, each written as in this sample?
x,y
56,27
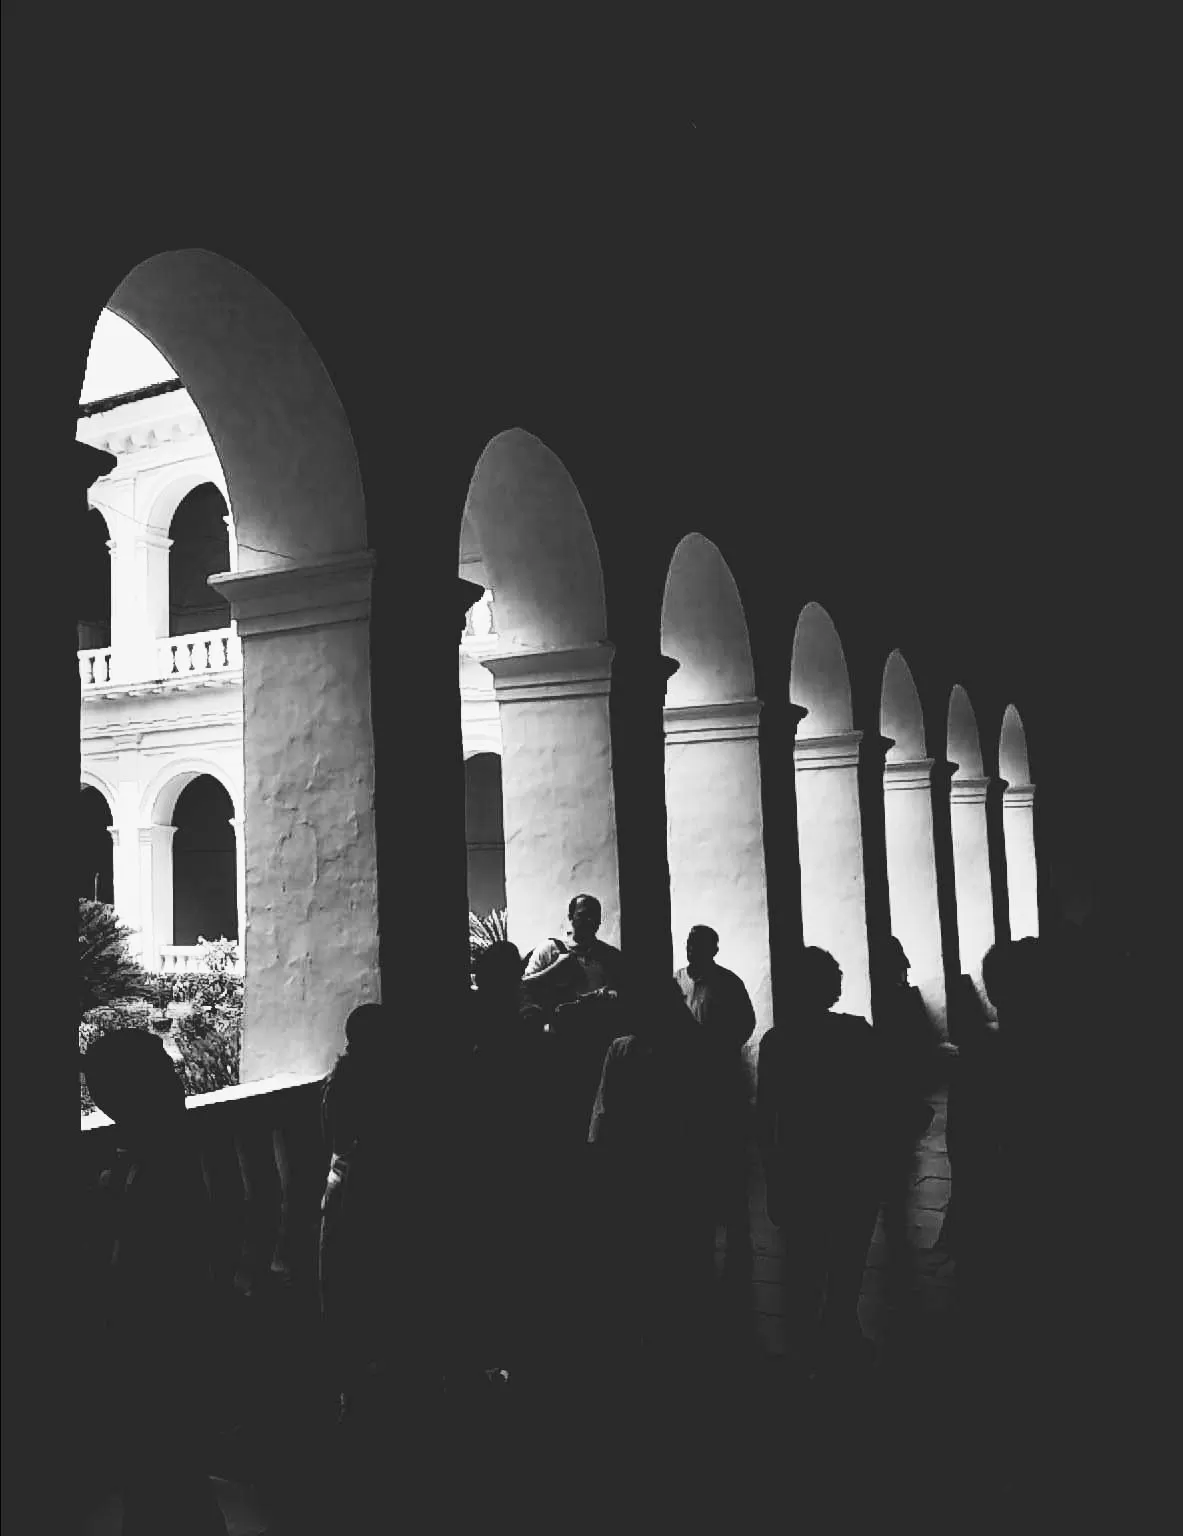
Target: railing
x,y
94,666
209,650
182,959
480,622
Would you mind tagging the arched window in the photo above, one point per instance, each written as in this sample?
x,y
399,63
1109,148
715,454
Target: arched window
x,y
205,899
200,549
95,854
94,583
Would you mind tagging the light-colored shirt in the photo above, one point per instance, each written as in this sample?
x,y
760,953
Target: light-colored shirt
x,y
719,1001
598,967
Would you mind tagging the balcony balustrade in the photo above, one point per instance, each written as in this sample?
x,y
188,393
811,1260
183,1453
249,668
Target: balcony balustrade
x,y
184,959
209,650
94,666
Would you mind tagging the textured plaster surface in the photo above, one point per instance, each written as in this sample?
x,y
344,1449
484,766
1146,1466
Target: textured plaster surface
x,y
1018,832
560,815
833,895
716,858
311,857
971,880
912,883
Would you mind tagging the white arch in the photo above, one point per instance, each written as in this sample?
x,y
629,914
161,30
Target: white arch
x,y
901,717
963,745
276,422
1013,763
818,677
159,799
91,780
704,628
171,492
94,505
536,545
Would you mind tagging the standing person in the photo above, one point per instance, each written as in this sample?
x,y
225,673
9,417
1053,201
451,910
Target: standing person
x,y
908,1049
650,1131
720,1003
820,1113
562,971
150,1248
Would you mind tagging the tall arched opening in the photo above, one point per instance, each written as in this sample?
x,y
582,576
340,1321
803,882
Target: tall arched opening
x,y
200,549
527,541
205,898
93,596
969,824
307,866
484,833
714,819
1018,826
829,827
909,837
95,878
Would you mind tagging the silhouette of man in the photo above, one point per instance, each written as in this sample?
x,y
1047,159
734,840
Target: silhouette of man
x,y
150,1249
820,1120
563,971
651,1132
720,1003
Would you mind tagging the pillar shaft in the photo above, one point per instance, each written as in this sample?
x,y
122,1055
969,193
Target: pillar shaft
x,y
1018,827
715,826
912,876
557,787
156,891
971,871
310,927
829,832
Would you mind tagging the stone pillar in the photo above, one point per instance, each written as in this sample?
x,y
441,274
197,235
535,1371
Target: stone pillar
x,y
156,891
971,873
310,926
829,832
139,604
125,873
557,787
778,784
1018,828
912,877
715,838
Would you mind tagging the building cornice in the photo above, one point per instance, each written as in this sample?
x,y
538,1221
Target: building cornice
x,y
521,677
143,423
914,774
1015,796
811,753
968,791
734,720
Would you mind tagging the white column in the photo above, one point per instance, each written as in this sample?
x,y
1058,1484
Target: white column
x,y
139,604
971,873
1018,830
125,873
156,891
310,925
830,840
715,827
556,784
912,876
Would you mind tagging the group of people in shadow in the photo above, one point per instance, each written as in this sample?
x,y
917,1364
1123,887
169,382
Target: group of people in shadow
x,y
531,1195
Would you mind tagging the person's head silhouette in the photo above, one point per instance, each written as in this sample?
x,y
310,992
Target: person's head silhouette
x,y
498,970
890,962
817,982
132,1079
584,917
702,945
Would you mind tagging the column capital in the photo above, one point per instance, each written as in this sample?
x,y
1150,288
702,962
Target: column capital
x,y
816,752
114,835
308,595
151,538
1017,795
968,791
914,774
525,676
157,836
732,720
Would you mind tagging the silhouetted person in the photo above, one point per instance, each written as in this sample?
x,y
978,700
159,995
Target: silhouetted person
x,y
506,1160
563,971
150,1245
820,1114
360,1200
720,1003
971,1117
651,1135
907,1046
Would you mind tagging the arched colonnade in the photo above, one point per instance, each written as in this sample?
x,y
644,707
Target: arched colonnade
x,y
543,673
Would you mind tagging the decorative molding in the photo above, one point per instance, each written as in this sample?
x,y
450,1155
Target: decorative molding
x,y
1018,797
732,720
309,595
155,834
524,677
913,775
150,538
968,791
813,753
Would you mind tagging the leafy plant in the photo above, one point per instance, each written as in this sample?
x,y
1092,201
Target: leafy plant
x,y
483,931
107,971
